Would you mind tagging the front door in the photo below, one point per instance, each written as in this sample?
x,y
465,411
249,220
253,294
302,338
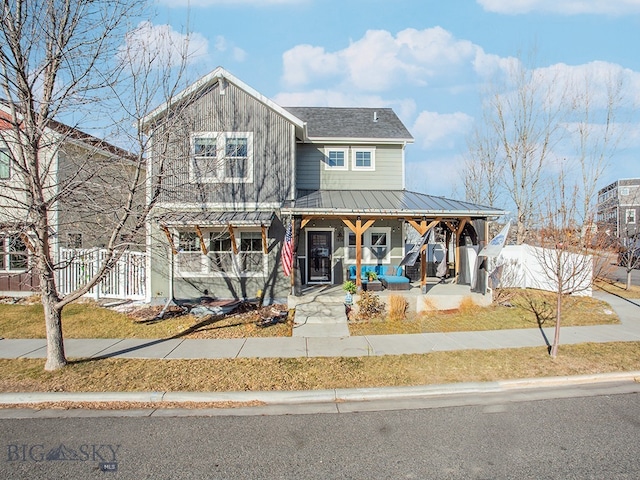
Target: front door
x,y
319,250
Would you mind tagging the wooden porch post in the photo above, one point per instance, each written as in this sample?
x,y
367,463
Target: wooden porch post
x,y
423,228
358,229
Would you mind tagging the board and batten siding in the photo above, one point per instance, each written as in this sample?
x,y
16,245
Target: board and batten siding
x,y
233,111
312,175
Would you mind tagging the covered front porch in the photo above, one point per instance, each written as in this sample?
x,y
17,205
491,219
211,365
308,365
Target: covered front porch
x,y
339,234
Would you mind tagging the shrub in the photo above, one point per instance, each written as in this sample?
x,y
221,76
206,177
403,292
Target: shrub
x,y
370,306
398,307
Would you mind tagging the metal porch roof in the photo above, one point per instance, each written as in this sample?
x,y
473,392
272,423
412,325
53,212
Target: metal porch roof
x,y
216,219
384,203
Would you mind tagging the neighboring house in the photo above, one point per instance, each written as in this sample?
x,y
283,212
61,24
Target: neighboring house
x,y
236,169
89,176
618,209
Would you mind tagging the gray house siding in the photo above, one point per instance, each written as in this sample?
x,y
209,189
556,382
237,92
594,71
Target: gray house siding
x,y
165,265
312,174
233,111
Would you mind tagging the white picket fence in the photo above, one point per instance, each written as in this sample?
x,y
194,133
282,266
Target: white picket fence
x,y
126,280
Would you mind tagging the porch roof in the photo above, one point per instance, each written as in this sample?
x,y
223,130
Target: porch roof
x,y
216,219
390,203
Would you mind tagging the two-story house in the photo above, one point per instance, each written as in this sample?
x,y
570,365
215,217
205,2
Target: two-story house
x,y
618,209
236,170
84,178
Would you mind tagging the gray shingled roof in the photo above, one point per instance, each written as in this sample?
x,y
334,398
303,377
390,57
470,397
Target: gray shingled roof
x,y
323,122
216,219
385,203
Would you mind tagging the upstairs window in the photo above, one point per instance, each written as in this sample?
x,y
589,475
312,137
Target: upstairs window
x,y
5,164
336,158
220,157
236,157
364,159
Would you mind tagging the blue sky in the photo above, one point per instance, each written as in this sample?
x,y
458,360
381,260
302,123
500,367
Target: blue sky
x,y
427,59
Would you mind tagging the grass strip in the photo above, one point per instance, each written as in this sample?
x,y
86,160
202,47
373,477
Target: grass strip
x,y
28,375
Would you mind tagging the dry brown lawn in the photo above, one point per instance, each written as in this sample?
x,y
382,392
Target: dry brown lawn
x,y
519,309
89,320
28,375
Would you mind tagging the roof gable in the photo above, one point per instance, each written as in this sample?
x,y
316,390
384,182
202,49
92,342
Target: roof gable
x,y
221,75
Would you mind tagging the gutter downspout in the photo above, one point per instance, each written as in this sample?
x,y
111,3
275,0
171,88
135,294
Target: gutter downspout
x,y
171,295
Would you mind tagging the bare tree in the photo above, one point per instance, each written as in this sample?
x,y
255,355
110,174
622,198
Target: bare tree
x,y
483,168
564,258
58,57
596,135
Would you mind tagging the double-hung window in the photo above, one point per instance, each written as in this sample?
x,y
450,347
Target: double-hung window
x,y
251,255
236,157
220,252
5,164
219,258
220,157
13,253
189,258
205,157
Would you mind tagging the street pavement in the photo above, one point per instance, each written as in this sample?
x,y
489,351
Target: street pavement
x,y
299,346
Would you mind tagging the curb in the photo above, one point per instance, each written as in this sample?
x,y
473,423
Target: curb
x,y
320,396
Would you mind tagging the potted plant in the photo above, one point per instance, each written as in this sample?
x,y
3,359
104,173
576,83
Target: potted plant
x,y
372,276
350,287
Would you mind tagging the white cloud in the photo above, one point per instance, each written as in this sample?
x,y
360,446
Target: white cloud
x,y
161,45
222,45
380,61
564,7
436,175
441,129
592,81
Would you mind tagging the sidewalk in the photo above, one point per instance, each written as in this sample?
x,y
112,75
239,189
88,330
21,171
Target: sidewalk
x,y
312,346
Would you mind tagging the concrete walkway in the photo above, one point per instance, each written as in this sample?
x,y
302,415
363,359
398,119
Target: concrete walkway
x,y
332,340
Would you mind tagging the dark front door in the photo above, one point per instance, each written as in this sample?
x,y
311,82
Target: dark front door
x,y
319,256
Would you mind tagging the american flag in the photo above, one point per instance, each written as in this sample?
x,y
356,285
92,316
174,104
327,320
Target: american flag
x,y
287,252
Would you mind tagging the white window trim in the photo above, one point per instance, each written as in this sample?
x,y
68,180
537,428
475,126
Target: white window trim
x,y
5,151
371,150
627,216
345,150
207,272
221,144
367,257
4,251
